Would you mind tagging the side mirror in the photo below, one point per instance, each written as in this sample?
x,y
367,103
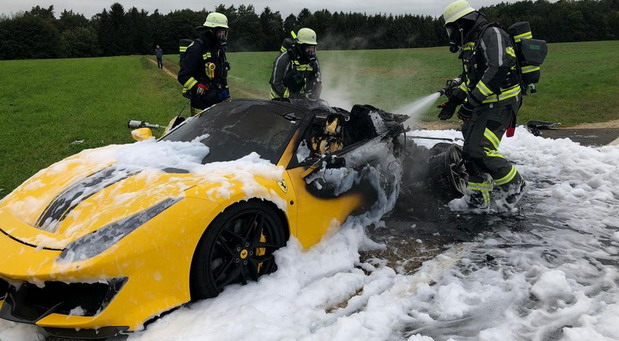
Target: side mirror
x,y
142,134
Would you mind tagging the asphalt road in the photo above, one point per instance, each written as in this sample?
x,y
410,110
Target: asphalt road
x,y
586,137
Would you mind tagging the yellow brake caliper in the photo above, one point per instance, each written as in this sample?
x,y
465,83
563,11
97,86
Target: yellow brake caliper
x,y
261,251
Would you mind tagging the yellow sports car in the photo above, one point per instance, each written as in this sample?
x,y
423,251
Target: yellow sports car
x,y
107,239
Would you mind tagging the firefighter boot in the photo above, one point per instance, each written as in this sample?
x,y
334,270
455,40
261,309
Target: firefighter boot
x,y
477,198
511,193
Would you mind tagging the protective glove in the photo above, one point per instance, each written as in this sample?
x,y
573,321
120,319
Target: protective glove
x,y
201,89
466,111
227,66
447,110
223,94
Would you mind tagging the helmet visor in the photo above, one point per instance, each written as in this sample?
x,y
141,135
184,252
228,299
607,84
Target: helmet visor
x,y
221,33
309,50
451,31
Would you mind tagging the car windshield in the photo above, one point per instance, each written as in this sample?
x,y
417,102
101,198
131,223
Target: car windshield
x,y
234,129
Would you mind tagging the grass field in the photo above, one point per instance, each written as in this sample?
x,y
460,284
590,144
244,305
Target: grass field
x,y
580,81
46,105
49,106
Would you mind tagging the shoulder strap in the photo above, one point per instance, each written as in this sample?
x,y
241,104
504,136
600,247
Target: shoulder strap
x,y
494,24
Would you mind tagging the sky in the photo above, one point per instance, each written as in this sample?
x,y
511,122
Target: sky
x,y
548,274
91,7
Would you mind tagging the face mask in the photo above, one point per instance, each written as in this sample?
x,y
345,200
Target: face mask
x,y
309,50
455,37
221,34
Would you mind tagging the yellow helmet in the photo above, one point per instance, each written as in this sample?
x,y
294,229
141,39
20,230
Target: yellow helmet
x,y
456,10
306,36
216,20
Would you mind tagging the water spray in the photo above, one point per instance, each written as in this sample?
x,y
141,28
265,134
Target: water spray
x,y
422,105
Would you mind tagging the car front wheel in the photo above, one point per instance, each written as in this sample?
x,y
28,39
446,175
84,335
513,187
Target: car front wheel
x,y
237,247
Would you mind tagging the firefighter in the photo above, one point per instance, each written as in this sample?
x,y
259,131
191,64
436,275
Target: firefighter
x,y
489,98
296,72
204,68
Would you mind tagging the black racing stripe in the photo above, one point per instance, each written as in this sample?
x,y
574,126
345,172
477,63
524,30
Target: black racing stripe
x,y
79,191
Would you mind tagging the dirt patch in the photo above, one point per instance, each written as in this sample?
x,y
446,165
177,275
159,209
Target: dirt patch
x,y
597,125
164,68
438,125
443,125
242,92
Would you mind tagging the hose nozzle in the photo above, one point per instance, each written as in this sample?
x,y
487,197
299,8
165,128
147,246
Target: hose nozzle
x,y
450,85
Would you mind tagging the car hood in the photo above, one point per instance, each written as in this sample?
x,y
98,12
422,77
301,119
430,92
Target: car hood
x,y
94,188
75,197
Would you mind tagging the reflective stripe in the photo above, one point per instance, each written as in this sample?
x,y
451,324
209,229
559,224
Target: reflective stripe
x,y
275,95
510,51
183,49
500,44
531,68
206,55
493,153
492,138
484,89
480,186
507,178
468,47
505,94
302,67
526,35
464,88
274,76
485,188
283,49
190,83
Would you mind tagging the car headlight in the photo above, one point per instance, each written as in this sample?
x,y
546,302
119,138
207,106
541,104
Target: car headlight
x,y
100,240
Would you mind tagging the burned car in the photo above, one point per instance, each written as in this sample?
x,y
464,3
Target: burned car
x,y
98,243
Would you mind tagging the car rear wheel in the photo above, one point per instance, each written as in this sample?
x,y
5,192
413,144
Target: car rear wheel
x,y
237,247
447,169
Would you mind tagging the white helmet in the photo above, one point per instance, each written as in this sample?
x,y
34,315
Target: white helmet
x,y
216,20
306,36
456,10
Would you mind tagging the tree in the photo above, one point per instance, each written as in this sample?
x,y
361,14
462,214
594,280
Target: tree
x,y
28,36
247,30
79,42
290,24
272,28
69,20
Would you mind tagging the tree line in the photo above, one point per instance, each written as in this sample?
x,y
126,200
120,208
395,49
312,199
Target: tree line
x,y
38,33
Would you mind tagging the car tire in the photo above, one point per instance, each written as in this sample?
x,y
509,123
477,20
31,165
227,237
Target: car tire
x,y
236,247
447,168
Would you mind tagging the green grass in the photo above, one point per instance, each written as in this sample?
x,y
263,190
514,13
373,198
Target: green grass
x,y
47,104
580,81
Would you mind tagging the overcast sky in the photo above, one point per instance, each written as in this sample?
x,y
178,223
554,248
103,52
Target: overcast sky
x,y
91,7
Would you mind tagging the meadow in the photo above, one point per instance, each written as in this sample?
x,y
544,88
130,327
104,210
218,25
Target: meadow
x,y
53,108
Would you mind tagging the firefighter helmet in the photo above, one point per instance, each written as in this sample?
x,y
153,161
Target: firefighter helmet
x,y
306,36
456,10
216,20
